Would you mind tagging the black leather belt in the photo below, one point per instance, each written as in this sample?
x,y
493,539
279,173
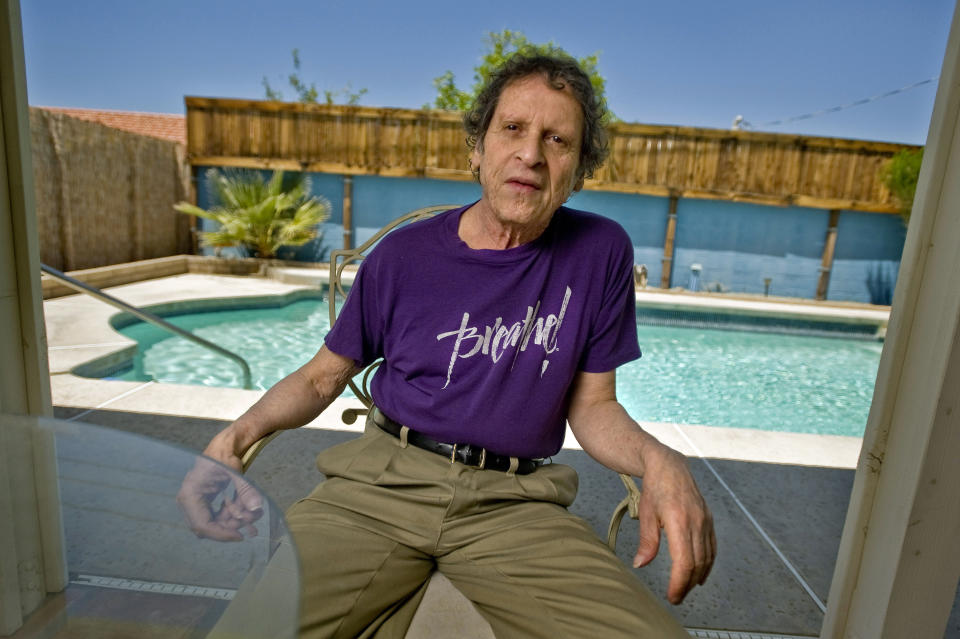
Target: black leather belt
x,y
464,453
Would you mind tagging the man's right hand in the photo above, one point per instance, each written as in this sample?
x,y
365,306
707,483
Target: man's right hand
x,y
293,401
205,483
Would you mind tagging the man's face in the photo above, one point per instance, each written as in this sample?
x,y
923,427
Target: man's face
x,y
530,154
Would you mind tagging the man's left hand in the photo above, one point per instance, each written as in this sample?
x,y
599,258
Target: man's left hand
x,y
670,500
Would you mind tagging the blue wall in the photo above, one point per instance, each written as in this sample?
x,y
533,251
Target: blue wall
x,y
868,247
378,200
644,217
738,245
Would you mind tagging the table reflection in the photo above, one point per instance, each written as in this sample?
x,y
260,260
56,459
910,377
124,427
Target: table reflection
x,y
135,567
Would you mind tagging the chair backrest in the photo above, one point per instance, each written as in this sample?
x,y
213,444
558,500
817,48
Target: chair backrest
x,y
340,259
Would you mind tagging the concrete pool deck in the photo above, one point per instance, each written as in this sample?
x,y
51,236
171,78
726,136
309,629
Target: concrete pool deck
x,y
779,499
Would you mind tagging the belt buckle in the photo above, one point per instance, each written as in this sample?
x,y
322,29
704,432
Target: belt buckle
x,y
480,465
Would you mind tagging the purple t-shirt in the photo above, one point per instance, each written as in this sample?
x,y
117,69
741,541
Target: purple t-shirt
x,y
481,346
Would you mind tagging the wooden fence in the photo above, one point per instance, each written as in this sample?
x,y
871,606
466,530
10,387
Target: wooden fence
x,y
670,161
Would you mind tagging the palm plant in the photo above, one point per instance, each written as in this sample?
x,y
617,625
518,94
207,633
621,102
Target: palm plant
x,y
257,214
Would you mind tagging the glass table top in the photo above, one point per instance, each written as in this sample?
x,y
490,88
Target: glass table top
x,y
135,567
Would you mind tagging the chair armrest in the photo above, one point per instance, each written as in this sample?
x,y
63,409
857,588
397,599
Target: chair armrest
x,y
627,505
255,449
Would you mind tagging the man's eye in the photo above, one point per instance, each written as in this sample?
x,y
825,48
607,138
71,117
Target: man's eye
x,y
512,127
556,139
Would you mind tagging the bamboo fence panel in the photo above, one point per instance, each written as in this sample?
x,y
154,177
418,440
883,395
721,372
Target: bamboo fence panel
x,y
768,168
105,196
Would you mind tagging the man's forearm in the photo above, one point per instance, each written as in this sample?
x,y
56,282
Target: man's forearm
x,y
292,402
614,439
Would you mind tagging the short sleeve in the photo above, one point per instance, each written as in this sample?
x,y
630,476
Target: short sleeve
x,y
613,336
358,331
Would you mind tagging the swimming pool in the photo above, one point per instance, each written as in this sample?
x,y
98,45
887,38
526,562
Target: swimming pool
x,y
734,378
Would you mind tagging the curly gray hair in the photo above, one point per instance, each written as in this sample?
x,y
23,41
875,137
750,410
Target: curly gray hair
x,y
561,71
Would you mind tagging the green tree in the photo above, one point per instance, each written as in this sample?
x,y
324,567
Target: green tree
x,y
900,175
499,47
449,97
257,214
308,94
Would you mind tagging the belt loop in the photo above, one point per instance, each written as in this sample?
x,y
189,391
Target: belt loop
x,y
404,431
514,465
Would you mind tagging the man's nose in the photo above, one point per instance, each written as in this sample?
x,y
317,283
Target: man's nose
x,y
530,150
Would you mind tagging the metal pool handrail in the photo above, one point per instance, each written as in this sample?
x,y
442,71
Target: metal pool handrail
x,y
147,316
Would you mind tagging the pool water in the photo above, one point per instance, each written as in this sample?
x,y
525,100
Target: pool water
x,y
713,377
743,379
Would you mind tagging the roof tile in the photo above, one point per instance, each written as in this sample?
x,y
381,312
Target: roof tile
x,y
166,126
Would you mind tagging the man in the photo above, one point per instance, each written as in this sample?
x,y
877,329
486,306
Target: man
x,y
498,322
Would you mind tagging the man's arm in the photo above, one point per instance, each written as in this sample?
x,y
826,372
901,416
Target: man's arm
x,y
290,403
670,498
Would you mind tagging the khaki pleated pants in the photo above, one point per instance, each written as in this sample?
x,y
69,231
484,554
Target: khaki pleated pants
x,y
388,515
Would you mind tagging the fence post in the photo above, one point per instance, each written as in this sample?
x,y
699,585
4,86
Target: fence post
x,y
666,267
826,264
347,212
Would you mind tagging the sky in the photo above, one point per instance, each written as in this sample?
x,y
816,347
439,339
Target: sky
x,y
681,62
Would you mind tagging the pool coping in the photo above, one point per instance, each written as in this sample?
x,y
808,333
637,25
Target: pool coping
x,y
79,331
854,312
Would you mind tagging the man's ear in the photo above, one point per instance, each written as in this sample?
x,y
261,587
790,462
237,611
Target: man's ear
x,y
579,184
475,156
